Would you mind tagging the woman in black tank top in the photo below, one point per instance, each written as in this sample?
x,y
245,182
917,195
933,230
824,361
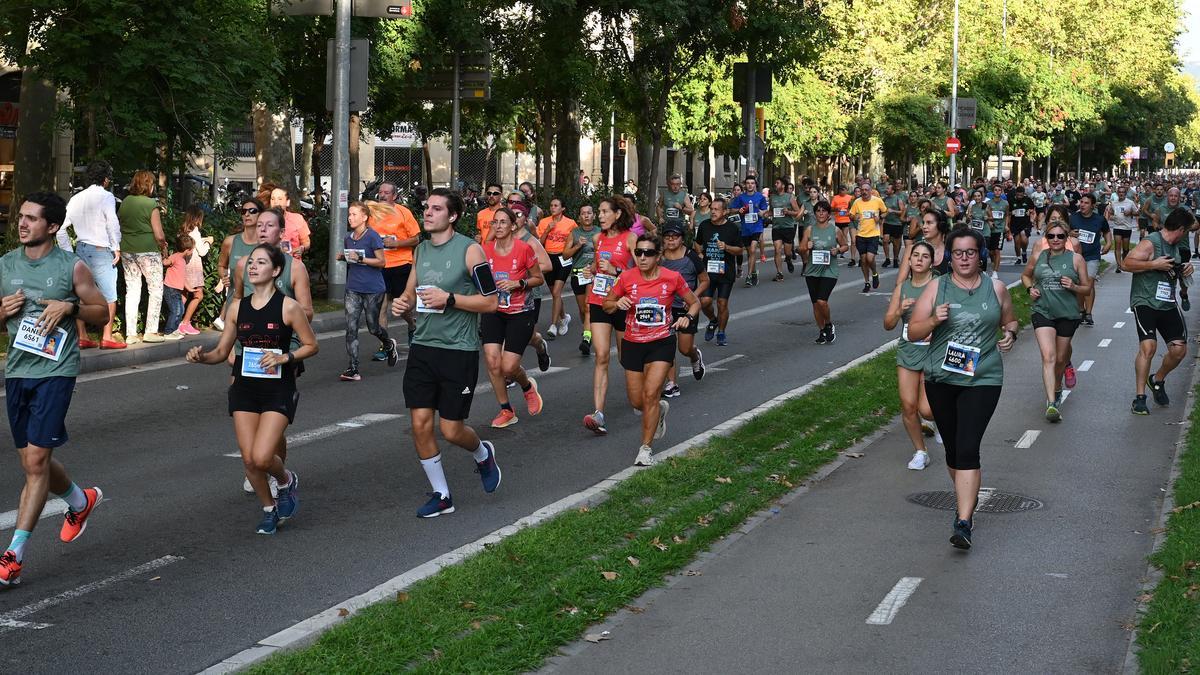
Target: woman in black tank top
x,y
263,397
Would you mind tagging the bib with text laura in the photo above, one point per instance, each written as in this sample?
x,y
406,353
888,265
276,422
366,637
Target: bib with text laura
x,y
960,358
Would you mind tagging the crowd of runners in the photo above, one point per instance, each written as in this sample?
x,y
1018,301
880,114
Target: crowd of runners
x,y
643,287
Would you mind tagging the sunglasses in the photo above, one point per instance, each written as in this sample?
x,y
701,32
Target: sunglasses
x,y
493,194
250,211
515,201
645,252
1056,236
964,253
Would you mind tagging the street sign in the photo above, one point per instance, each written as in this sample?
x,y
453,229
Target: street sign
x,y
384,9
1169,147
953,145
360,55
762,83
302,7
967,112
474,77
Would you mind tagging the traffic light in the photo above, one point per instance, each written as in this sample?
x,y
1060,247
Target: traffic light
x,y
519,143
622,144
761,116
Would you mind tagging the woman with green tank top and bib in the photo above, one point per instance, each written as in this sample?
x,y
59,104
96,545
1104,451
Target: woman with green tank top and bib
x,y
821,246
912,355
1056,278
784,211
961,315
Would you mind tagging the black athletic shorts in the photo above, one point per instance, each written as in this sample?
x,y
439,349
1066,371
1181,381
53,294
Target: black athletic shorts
x,y
557,271
785,234
995,241
635,355
1167,323
748,239
441,379
578,288
1121,232
893,231
514,331
1018,228
718,289
617,319
866,245
693,325
820,288
37,409
1062,327
395,279
244,397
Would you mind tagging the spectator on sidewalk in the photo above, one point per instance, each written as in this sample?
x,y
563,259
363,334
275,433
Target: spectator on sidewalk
x,y
297,237
143,247
92,214
181,285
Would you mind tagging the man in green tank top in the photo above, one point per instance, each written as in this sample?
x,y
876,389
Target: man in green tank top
x,y
1158,268
675,204
451,285
784,211
44,290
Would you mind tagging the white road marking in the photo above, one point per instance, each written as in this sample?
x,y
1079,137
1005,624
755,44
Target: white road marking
x,y
1105,342
10,624
532,372
893,601
985,495
357,422
711,367
16,616
1128,311
1085,366
1119,324
772,306
1066,393
1027,439
53,507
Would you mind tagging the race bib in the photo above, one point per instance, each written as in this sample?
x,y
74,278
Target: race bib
x,y
750,217
716,266
820,257
777,212
565,261
29,339
648,313
1018,213
842,212
424,308
583,280
868,215
976,224
1163,291
1086,236
505,297
252,364
672,213
603,284
961,359
997,215
354,255
904,336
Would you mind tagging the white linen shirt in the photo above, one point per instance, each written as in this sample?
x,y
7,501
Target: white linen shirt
x,y
93,214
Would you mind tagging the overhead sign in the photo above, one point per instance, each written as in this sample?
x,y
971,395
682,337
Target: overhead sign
x,y
967,112
360,56
762,83
374,9
1132,152
953,145
302,7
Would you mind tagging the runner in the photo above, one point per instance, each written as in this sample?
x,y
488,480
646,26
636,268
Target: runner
x,y
823,243
235,247
1174,200
999,214
1023,212
841,218
752,207
263,397
675,204
1120,215
362,251
483,220
942,203
553,232
401,234
614,254
687,264
911,357
581,249
784,211
450,287
1038,196
719,242
524,232
893,226
644,295
934,228
45,289
1056,279
866,214
1158,267
1095,240
961,314
507,331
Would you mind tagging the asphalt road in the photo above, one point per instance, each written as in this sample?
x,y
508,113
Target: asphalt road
x,y
1045,590
170,576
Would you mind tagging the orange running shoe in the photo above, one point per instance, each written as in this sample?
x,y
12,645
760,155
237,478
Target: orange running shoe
x,y
533,400
506,418
75,523
10,569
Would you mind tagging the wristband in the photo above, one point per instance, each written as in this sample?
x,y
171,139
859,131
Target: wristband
x,y
74,309
291,357
449,301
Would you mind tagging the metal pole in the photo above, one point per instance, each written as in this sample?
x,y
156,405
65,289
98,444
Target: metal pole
x,y
341,151
954,99
748,117
454,125
612,147
1000,161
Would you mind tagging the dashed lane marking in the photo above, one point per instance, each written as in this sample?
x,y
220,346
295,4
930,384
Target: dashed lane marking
x,y
1085,366
1027,439
1105,342
306,437
53,507
893,601
1119,324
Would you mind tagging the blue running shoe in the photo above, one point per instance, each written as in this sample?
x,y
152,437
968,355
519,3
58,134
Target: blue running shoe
x,y
269,522
962,534
488,470
380,355
710,331
436,506
289,498
721,341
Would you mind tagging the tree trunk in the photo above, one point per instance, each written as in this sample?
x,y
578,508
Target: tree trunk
x,y
355,138
33,157
282,164
567,182
306,160
645,162
261,125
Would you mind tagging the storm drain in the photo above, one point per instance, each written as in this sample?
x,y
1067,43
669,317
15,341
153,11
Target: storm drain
x,y
990,501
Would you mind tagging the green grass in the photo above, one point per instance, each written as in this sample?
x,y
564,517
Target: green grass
x,y
320,306
1169,631
517,602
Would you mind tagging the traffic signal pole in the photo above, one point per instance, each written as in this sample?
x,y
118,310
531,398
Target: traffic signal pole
x,y
954,99
341,151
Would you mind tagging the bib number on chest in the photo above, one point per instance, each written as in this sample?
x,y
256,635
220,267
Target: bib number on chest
x,y
504,297
672,213
1018,213
961,359
820,257
565,261
997,215
648,313
777,212
252,364
751,216
1087,236
604,284
424,308
976,224
1164,290
46,345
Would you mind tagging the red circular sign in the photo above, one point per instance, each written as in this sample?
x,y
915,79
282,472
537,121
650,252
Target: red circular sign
x,y
953,145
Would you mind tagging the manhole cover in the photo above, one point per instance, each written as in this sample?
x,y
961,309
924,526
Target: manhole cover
x,y
989,501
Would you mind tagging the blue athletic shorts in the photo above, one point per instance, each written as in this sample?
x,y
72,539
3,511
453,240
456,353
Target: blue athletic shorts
x,y
37,409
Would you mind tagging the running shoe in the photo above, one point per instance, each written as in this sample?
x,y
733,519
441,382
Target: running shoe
x,y
721,339
509,383
830,334
790,265
289,498
350,375
1185,303
504,419
778,276
866,288
821,337
852,263
533,400
670,391
661,430
763,257
1087,318
644,457
1139,406
1059,398
962,534
919,461
75,523
271,483
488,469
1069,376
595,422
874,281
698,366
188,329
10,569
269,522
153,338
749,282
393,352
1158,391
710,331
436,506
1052,413
585,347
552,331
754,278
887,262
564,324
543,357
380,355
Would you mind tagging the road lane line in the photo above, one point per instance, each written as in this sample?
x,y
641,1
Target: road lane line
x,y
1128,311
312,435
1065,394
711,367
772,306
1119,324
53,507
1085,366
1105,342
17,615
1027,439
10,624
893,601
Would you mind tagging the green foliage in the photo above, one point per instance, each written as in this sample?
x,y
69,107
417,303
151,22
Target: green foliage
x,y
907,125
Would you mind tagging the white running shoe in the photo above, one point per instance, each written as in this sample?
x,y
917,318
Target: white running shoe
x,y
643,457
552,331
919,461
663,408
564,325
249,489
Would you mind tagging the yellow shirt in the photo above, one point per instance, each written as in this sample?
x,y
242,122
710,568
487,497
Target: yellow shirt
x,y
869,213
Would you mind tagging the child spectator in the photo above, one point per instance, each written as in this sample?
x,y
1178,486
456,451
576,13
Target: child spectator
x,y
184,280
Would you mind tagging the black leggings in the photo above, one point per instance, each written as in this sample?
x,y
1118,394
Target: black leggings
x,y
962,415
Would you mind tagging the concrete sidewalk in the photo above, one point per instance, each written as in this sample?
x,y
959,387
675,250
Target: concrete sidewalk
x,y
853,576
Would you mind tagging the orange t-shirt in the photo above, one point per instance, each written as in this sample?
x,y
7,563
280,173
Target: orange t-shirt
x,y
560,232
401,225
841,208
483,222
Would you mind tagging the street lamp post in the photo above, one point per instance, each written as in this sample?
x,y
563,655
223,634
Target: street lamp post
x,y
954,97
341,150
